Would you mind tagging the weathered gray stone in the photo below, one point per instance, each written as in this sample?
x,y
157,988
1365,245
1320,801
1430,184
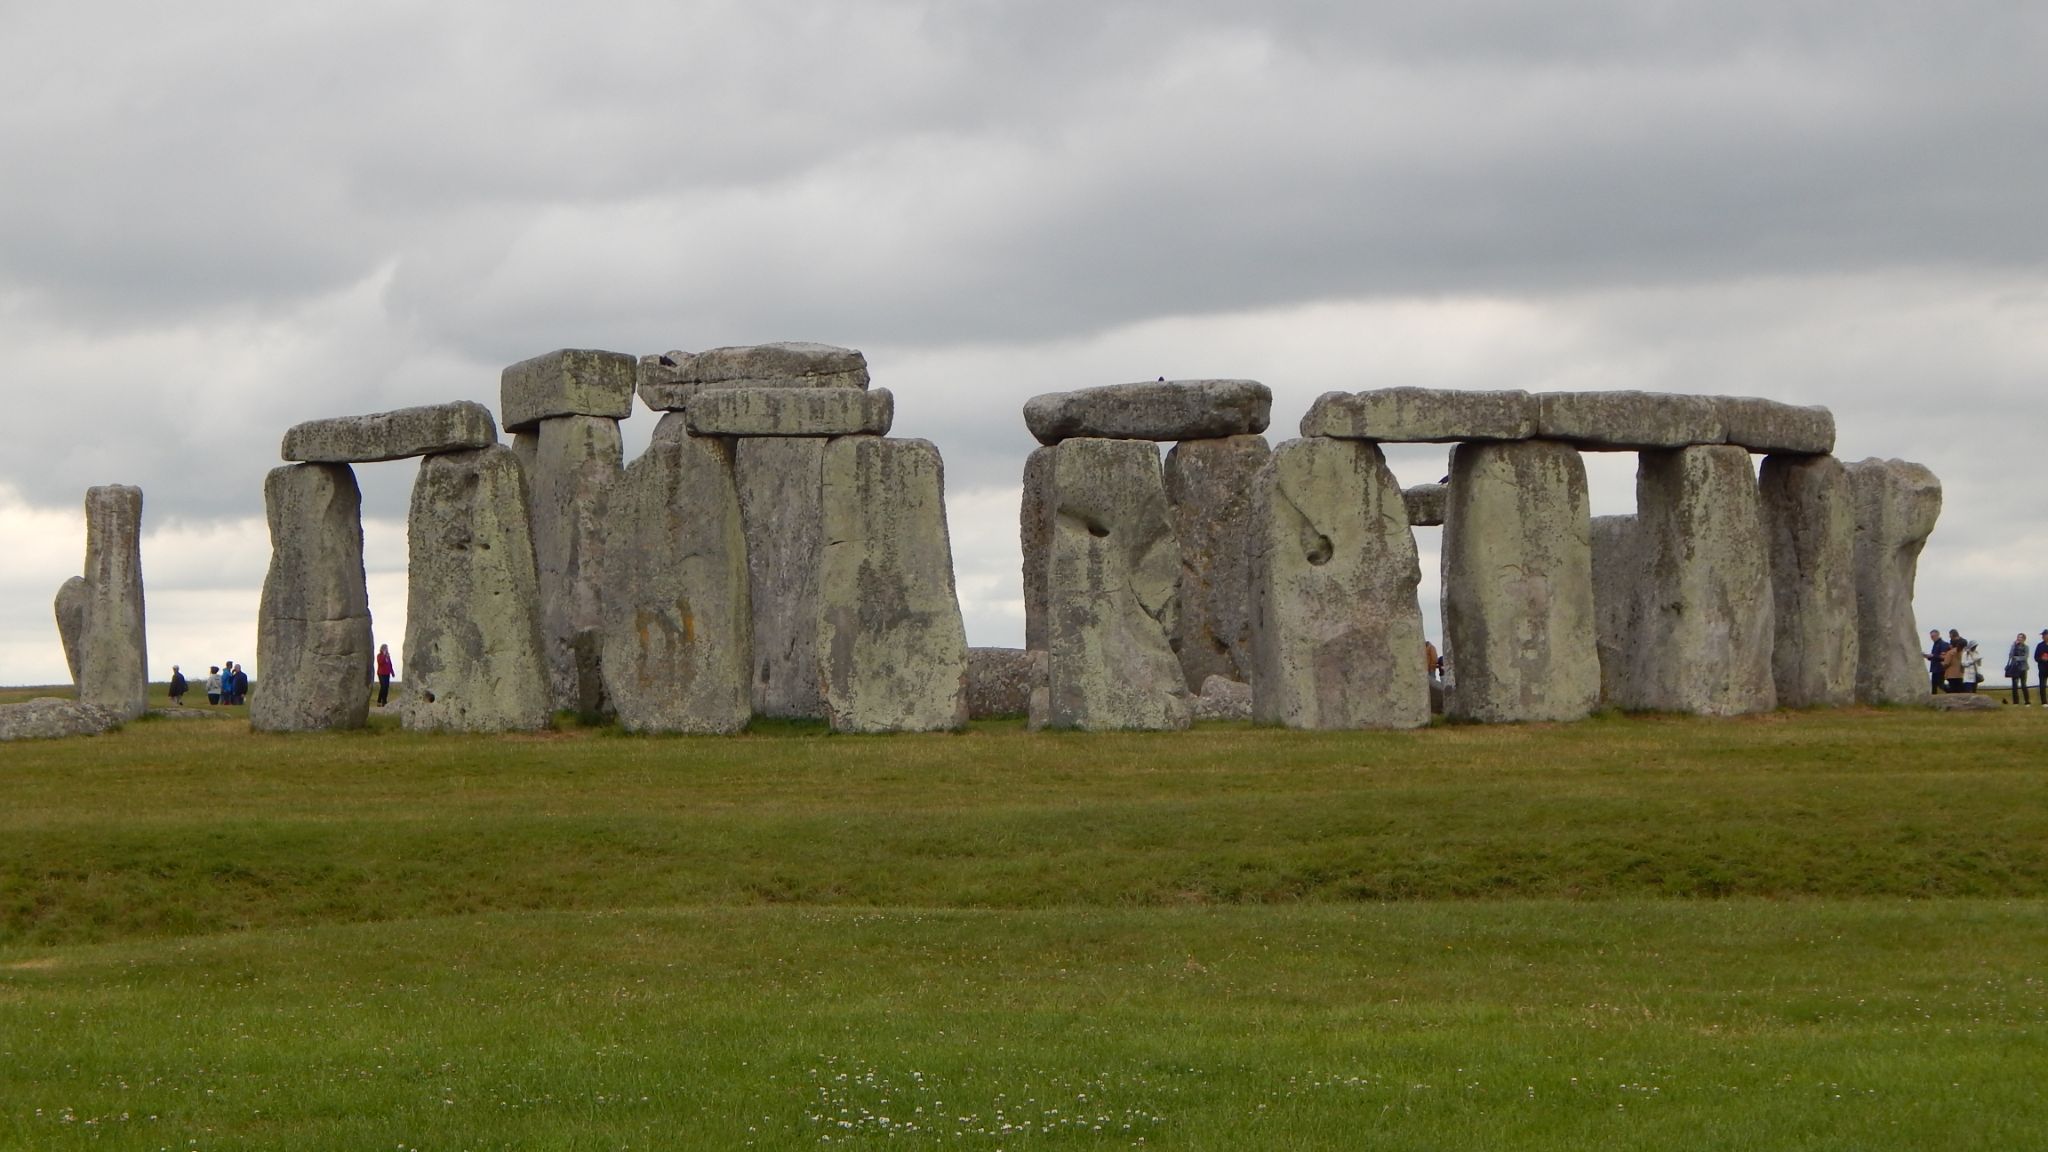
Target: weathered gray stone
x,y
1965,702
473,658
998,682
313,650
790,412
1112,567
1628,421
782,493
676,646
113,663
1518,583
1897,503
670,387
1039,716
1426,504
1422,415
1152,410
48,718
573,463
1034,516
72,597
1223,699
1617,582
1810,523
1702,640
423,431
566,382
1209,491
1336,627
1774,428
892,649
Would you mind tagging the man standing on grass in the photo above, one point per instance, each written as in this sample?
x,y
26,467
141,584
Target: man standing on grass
x,y
2041,666
1935,654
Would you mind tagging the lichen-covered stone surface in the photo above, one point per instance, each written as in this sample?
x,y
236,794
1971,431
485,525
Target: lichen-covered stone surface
x,y
49,718
1336,626
473,659
573,464
1112,569
1152,410
1617,578
781,489
1422,415
1703,632
313,642
999,682
669,387
1771,427
1222,699
1034,523
1628,421
1209,490
72,596
395,435
566,382
892,650
1897,504
722,411
1518,583
113,662
1810,523
676,614
1426,504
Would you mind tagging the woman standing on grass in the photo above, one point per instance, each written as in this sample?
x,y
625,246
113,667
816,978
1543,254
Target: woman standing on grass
x,y
2016,671
384,671
213,684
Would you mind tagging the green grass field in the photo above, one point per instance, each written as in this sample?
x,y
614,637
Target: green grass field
x,y
1797,931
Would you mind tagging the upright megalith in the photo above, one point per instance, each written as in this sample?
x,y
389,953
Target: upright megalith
x,y
1702,636
473,657
1336,626
72,596
1810,524
781,482
1617,583
571,466
113,660
1897,503
1034,522
676,648
1518,583
1209,491
892,651
313,650
1111,568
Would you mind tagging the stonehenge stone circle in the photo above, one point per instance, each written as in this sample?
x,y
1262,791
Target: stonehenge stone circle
x,y
1422,415
676,642
571,464
473,656
392,435
1161,410
72,596
566,382
1336,626
1426,504
1034,517
892,649
1773,428
1628,421
1112,565
113,661
998,682
1518,583
1810,524
781,484
1897,504
790,412
669,387
1209,492
1617,575
1702,635
313,649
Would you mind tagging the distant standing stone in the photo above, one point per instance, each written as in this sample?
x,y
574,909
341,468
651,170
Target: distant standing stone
x,y
1152,410
1426,504
891,645
782,494
1336,626
1617,585
473,659
72,597
1209,489
1810,523
1897,504
566,382
313,650
113,662
670,387
998,682
570,470
394,435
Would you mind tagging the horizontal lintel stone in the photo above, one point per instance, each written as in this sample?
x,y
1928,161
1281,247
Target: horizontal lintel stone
x,y
790,412
668,382
395,435
566,382
1771,427
1422,415
1162,410
1629,421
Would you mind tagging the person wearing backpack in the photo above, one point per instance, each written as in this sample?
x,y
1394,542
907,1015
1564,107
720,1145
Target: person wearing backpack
x,y
2016,672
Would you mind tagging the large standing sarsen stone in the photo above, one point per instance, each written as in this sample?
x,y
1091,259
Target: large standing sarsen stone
x,y
473,659
313,652
1810,522
1034,524
782,492
1897,503
571,464
1518,583
1209,490
676,649
1336,627
891,646
113,662
1112,567
72,596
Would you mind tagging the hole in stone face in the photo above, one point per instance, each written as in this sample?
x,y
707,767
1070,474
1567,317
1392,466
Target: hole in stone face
x,y
1097,530
427,696
1316,547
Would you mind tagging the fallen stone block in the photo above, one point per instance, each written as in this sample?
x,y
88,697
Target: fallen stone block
x,y
1810,524
1222,699
1628,421
1152,410
113,662
790,412
1422,415
1964,702
48,718
998,683
1426,504
566,382
571,465
455,427
669,387
1897,504
781,484
1209,492
1773,428
313,649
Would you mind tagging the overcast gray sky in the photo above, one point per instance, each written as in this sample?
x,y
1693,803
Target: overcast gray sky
x,y
218,219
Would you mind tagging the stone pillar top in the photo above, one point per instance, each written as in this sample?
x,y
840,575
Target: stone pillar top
x,y
566,382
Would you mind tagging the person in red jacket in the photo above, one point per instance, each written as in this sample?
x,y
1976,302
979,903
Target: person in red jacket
x,y
383,674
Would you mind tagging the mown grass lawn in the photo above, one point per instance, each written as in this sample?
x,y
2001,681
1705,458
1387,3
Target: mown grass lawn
x,y
1797,931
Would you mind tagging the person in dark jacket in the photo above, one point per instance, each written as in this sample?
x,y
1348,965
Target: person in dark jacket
x,y
1937,653
2041,666
241,685
178,687
2016,670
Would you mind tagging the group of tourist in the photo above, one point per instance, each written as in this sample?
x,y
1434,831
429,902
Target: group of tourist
x,y
1953,665
230,684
